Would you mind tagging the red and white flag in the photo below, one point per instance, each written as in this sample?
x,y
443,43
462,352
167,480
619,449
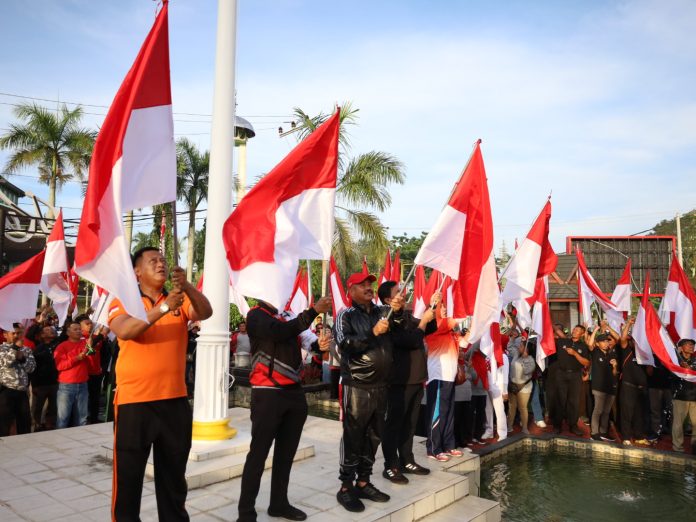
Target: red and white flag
x,y
338,294
621,298
533,259
234,297
54,279
460,245
101,302
133,166
423,291
678,307
589,292
651,337
300,298
19,291
396,268
365,269
163,232
74,282
541,324
287,216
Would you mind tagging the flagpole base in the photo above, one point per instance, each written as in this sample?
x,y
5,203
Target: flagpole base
x,y
214,430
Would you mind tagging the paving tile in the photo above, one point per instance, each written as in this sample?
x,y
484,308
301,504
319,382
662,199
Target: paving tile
x,y
71,492
100,514
7,515
53,485
17,492
205,517
207,502
320,501
88,503
53,511
41,476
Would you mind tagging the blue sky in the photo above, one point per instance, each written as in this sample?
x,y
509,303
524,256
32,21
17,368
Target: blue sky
x,y
595,101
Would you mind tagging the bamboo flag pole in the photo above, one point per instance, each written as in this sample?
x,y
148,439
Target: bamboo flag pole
x,y
175,242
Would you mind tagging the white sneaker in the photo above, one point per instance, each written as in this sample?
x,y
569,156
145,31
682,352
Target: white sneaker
x,y
540,423
487,435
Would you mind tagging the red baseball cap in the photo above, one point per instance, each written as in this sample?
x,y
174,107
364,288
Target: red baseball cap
x,y
358,278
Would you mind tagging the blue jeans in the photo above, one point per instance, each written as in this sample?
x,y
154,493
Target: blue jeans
x,y
72,405
536,403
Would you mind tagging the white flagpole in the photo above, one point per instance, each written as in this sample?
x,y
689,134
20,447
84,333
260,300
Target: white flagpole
x,y
211,398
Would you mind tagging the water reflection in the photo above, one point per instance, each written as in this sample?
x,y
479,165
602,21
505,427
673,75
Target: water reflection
x,y
553,486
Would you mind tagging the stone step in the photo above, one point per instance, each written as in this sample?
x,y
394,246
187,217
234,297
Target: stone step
x,y
468,509
219,464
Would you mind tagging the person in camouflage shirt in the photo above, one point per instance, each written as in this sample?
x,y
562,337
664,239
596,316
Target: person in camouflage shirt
x,y
16,363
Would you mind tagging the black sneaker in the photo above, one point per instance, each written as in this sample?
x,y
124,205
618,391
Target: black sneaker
x,y
288,512
369,492
394,475
348,498
606,437
595,436
414,468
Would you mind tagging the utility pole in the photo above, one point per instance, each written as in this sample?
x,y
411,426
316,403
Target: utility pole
x,y
679,240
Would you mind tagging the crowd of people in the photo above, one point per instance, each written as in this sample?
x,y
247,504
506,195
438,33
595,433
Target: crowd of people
x,y
54,377
399,376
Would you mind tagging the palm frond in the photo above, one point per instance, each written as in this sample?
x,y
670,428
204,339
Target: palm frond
x,y
368,227
343,243
364,181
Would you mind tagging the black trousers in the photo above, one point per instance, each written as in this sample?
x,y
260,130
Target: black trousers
x,y
94,389
335,374
632,401
276,415
463,423
41,395
478,414
363,425
568,387
403,406
14,407
166,427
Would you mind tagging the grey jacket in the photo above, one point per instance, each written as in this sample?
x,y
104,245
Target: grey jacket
x,y
13,373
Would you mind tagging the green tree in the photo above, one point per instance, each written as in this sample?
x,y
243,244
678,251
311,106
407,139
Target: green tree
x,y
54,142
668,227
362,188
192,169
152,238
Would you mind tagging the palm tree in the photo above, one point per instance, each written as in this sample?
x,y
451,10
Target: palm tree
x,y
362,187
54,142
192,188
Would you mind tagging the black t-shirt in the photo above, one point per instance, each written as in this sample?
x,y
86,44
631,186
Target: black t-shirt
x,y
564,360
631,371
661,377
603,379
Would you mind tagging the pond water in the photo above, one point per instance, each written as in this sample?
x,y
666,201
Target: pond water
x,y
553,486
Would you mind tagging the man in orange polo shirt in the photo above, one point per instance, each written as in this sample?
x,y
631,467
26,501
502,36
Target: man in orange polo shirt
x,y
151,407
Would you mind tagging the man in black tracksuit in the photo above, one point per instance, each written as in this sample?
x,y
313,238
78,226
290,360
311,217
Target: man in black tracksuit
x,y
405,392
278,405
366,358
571,358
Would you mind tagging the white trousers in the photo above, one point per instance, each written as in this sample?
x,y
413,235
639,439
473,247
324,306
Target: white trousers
x,y
495,404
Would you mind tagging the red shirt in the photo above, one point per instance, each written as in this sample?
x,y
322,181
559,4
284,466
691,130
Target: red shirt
x,y
72,370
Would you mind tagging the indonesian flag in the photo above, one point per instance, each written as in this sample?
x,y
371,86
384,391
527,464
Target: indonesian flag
x,y
338,295
533,259
54,278
460,245
396,268
74,281
678,307
386,272
300,298
589,292
287,216
133,166
541,324
365,269
651,337
163,231
101,302
234,297
19,291
621,298
422,291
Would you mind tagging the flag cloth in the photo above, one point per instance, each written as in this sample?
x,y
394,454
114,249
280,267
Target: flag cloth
x,y
19,291
163,232
365,269
300,298
678,306
396,268
651,337
542,325
133,166
54,279
422,291
386,272
287,216
589,292
74,281
338,295
533,259
460,245
621,298
234,297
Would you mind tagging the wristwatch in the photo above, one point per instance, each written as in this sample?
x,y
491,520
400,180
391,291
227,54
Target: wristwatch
x,y
164,308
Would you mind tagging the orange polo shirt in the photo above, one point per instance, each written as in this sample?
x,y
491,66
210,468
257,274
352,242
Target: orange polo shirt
x,y
151,367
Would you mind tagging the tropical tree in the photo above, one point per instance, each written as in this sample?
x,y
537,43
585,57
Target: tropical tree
x,y
362,188
54,142
192,188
